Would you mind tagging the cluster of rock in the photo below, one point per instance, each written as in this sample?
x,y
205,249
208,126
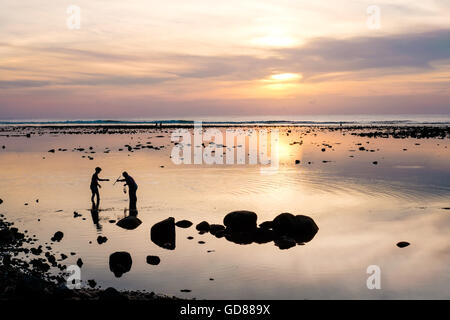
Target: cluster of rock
x,y
286,230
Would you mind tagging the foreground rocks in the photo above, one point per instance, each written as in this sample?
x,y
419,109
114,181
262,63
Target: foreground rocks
x,y
25,280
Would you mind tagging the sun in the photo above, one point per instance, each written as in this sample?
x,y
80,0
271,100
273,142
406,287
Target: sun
x,y
285,77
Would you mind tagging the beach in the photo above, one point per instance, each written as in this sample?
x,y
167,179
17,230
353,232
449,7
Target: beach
x,y
367,188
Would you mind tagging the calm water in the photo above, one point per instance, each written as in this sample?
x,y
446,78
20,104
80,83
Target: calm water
x,y
362,211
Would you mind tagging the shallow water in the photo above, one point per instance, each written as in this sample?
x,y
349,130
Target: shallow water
x,y
362,211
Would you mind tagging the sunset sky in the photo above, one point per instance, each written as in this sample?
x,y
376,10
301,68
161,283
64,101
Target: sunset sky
x,y
178,58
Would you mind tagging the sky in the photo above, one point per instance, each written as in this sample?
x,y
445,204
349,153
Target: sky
x,y
180,59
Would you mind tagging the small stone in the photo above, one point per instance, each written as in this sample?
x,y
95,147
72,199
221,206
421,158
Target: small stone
x,y
403,244
153,260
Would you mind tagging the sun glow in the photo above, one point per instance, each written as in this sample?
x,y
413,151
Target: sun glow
x,y
286,76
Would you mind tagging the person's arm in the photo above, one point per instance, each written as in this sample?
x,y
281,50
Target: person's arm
x,y
103,179
121,180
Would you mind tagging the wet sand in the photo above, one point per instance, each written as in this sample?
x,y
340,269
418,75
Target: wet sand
x,y
367,189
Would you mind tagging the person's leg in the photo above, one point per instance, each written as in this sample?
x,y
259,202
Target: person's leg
x,y
133,199
98,197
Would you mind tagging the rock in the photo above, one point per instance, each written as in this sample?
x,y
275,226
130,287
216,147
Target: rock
x,y
58,236
79,262
1,201
375,162
264,235
214,228
203,226
163,233
52,150
120,263
183,224
111,294
285,243
297,161
36,251
403,244
129,223
301,228
240,220
266,225
153,260
92,283
6,236
239,237
101,239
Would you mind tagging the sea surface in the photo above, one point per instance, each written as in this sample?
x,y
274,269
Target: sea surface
x,y
362,210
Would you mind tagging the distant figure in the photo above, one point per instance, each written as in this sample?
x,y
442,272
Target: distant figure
x,y
132,188
95,185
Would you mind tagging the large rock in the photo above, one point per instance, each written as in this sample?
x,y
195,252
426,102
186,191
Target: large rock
x,y
163,234
240,221
129,223
120,263
301,228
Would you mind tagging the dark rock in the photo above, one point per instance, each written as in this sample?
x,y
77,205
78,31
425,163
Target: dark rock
x,y
214,228
240,237
79,262
264,235
153,260
403,244
111,294
266,225
92,283
240,220
285,243
120,263
101,239
183,224
129,223
6,236
301,228
58,236
203,226
52,150
163,234
297,161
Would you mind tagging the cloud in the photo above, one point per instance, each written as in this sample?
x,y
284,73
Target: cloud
x,y
17,84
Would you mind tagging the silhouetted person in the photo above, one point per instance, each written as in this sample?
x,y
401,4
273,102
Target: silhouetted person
x,y
95,185
132,188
